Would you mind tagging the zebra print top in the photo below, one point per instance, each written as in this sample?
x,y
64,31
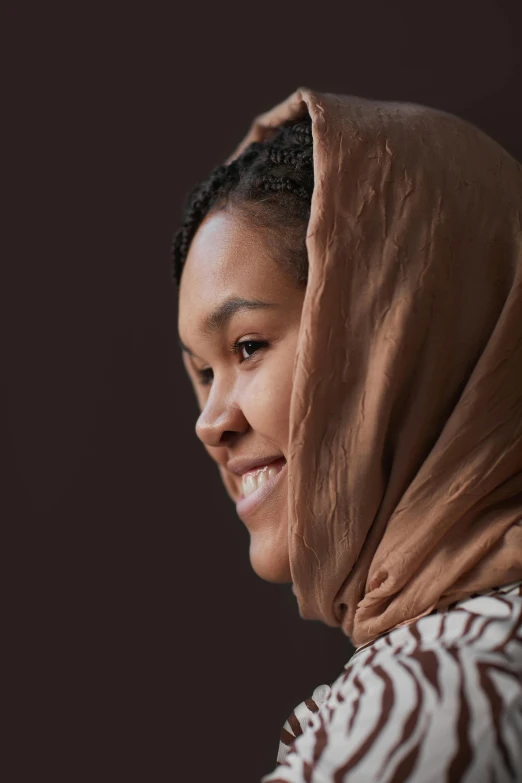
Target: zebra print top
x,y
437,700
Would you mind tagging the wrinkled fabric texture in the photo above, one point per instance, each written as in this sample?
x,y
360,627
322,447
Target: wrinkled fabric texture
x,y
405,453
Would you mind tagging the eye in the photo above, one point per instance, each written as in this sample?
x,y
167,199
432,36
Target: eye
x,y
250,346
205,376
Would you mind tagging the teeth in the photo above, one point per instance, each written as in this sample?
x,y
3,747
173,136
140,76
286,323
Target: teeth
x,y
255,479
249,484
261,479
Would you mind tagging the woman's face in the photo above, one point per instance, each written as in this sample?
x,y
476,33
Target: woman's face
x,y
239,317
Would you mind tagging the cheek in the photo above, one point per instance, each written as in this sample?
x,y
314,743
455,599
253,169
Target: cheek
x,y
267,400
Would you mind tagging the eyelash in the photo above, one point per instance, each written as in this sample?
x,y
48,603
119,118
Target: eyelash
x,y
205,379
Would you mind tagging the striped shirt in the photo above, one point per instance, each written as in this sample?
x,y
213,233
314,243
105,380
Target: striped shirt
x,y
437,700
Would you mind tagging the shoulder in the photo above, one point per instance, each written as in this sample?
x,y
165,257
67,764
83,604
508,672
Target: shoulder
x,y
439,699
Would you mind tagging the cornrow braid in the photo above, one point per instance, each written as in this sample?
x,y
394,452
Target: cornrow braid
x,y
270,183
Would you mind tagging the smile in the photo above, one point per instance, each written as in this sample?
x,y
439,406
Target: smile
x,y
258,484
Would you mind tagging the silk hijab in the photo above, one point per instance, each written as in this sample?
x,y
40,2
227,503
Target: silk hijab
x,y
405,453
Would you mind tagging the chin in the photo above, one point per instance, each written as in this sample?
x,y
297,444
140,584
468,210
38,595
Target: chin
x,y
269,560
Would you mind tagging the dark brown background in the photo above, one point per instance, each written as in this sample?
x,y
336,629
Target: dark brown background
x,y
146,647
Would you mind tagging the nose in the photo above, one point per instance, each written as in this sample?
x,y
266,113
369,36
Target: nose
x,y
220,418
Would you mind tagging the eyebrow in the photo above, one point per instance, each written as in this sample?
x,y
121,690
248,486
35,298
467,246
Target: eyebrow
x,y
220,317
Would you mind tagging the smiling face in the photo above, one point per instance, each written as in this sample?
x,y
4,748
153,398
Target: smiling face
x,y
239,317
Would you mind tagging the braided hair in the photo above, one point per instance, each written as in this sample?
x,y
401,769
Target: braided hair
x,y
270,184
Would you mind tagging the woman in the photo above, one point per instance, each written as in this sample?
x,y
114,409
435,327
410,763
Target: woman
x,y
350,312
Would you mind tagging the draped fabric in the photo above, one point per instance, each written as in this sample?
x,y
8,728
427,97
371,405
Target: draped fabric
x,y
405,453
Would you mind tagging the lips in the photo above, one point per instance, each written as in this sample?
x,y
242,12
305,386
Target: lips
x,y
242,465
246,505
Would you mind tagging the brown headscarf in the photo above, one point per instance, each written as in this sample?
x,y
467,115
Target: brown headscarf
x,y
405,454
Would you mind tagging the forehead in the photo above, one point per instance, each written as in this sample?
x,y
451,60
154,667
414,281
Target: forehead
x,y
227,257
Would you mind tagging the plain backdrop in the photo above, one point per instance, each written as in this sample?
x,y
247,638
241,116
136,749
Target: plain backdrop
x,y
143,646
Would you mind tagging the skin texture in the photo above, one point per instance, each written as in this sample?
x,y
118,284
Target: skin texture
x,y
244,410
